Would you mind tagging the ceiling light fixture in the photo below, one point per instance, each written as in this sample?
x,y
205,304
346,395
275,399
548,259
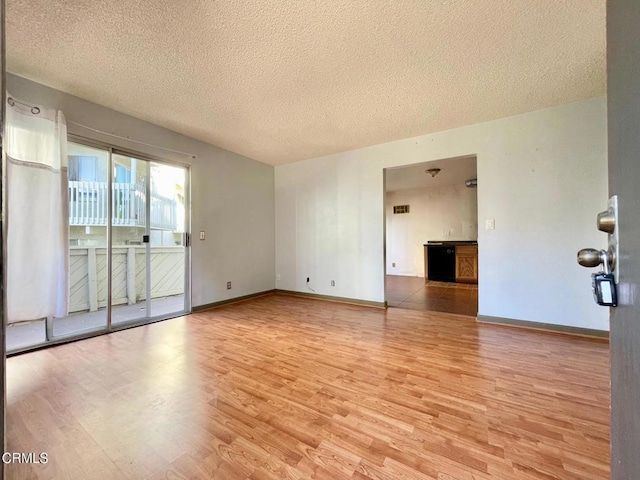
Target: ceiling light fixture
x,y
432,171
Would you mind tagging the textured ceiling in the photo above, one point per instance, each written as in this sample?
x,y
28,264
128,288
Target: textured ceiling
x,y
285,80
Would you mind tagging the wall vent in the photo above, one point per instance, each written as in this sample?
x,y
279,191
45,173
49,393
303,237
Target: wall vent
x,y
401,209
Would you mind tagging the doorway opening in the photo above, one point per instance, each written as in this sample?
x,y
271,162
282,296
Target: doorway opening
x,y
431,236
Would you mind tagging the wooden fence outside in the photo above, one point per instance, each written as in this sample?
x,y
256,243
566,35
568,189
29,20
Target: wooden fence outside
x,y
88,275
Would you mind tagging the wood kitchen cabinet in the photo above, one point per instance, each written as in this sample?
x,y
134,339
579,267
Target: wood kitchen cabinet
x,y
467,263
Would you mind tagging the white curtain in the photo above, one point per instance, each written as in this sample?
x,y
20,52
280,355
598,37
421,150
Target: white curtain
x,y
37,212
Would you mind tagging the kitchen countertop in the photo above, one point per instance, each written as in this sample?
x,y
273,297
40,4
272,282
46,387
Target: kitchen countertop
x,y
451,242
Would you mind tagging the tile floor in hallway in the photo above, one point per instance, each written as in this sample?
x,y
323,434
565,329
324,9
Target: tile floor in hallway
x,y
413,293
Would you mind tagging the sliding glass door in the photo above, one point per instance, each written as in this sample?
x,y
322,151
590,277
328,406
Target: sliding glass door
x,y
128,254
129,230
167,240
149,251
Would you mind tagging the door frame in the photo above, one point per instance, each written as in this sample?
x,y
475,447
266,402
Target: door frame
x,y
385,170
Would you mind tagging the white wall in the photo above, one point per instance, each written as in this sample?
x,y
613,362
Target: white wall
x,y
440,213
542,176
232,197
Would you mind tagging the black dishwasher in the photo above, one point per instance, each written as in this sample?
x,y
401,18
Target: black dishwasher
x,y
441,263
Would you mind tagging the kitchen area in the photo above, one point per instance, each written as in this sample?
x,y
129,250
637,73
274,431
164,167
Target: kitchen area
x,y
431,237
451,261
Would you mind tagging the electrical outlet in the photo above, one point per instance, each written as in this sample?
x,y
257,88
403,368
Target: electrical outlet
x,y
278,278
333,283
393,264
201,234
490,224
228,285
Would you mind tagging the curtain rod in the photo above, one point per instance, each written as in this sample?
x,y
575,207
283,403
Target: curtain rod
x,y
131,140
34,110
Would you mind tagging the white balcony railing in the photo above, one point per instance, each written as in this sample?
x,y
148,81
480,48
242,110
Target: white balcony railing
x,y
88,205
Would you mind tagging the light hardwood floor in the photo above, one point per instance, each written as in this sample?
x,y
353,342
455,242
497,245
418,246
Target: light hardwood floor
x,y
286,387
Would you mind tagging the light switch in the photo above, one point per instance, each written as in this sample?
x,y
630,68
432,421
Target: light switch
x,y
490,224
201,234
